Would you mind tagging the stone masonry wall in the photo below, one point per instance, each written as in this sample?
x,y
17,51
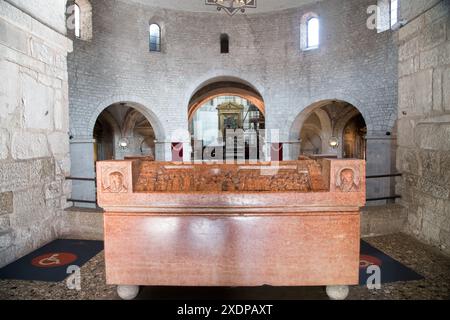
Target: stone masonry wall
x,y
424,121
50,13
353,63
34,147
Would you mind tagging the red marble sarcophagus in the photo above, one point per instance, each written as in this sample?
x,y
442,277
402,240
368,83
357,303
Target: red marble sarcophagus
x,y
183,224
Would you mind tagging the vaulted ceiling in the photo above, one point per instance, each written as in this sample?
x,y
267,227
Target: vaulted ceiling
x,y
199,5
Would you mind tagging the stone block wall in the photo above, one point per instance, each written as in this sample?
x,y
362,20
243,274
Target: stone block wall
x,y
424,120
51,13
34,144
83,223
382,220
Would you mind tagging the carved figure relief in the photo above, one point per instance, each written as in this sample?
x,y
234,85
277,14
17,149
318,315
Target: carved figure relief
x,y
156,178
347,180
115,183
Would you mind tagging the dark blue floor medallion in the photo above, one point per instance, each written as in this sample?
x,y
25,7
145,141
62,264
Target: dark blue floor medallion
x,y
391,270
51,262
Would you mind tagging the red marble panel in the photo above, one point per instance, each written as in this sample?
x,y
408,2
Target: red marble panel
x,y
202,250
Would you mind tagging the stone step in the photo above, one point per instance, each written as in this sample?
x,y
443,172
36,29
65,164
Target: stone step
x,y
87,224
383,220
82,223
6,238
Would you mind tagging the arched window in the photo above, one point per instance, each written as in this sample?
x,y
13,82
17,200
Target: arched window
x,y
309,31
224,43
80,15
155,38
77,21
394,12
313,33
387,15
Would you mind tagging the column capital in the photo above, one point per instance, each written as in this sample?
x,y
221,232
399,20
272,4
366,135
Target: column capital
x,y
81,140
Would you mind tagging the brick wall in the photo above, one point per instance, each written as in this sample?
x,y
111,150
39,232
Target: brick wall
x,y
353,63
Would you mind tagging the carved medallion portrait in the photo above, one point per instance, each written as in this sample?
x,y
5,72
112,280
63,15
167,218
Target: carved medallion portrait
x,y
347,180
114,182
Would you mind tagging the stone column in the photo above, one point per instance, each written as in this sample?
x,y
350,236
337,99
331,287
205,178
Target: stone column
x,y
380,161
187,151
163,150
159,151
291,150
82,155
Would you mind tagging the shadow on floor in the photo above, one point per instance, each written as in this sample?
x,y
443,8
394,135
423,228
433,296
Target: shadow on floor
x,y
232,293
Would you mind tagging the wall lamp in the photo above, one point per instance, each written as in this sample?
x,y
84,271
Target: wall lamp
x,y
124,143
334,142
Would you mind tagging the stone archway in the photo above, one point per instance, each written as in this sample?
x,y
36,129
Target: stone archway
x,y
333,116
83,151
137,104
225,87
219,75
135,136
106,134
248,114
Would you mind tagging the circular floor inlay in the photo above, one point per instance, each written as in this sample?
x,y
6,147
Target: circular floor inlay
x,y
366,261
52,260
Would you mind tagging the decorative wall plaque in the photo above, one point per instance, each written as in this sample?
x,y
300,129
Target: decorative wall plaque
x,y
114,180
347,180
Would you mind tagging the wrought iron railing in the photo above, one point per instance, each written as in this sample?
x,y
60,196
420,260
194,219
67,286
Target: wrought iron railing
x,y
390,197
80,200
